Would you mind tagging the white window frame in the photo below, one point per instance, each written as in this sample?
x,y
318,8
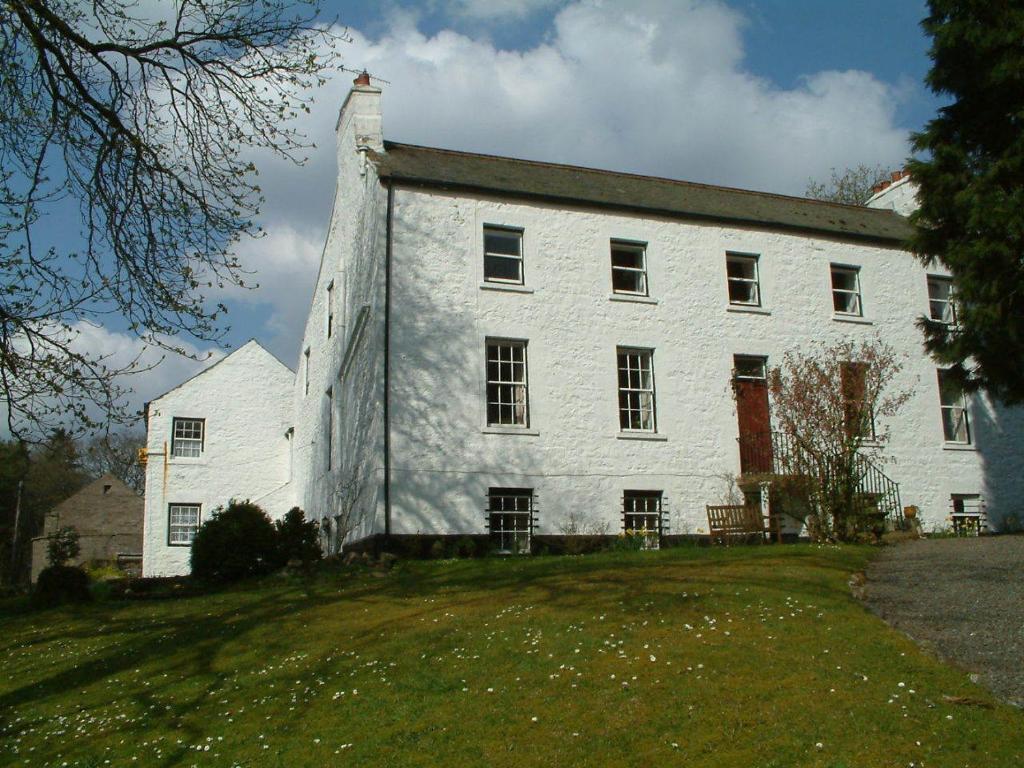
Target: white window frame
x,y
954,414
181,534
855,292
510,519
752,259
630,246
514,232
624,363
644,507
760,361
184,442
947,315
498,386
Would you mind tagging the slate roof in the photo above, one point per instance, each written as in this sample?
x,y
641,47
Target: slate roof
x,y
588,187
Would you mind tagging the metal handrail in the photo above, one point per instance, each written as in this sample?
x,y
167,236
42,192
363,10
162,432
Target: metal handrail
x,y
778,453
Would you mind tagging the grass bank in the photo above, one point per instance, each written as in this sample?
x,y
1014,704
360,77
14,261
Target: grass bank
x,y
696,657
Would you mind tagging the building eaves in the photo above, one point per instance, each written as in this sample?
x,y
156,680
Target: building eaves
x,y
589,187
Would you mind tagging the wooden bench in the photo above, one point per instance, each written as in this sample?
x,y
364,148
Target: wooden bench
x,y
735,523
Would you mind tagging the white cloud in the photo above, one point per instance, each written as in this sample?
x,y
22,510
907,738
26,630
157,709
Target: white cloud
x,y
158,369
498,9
283,264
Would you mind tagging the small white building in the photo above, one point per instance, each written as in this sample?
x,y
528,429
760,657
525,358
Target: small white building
x,y
523,350
225,433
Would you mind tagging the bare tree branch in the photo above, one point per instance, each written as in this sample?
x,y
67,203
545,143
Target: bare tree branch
x,y
143,123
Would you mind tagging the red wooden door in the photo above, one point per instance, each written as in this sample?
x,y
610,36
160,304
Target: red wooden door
x,y
752,415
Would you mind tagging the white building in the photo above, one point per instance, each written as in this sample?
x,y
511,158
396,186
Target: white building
x,y
558,344
224,433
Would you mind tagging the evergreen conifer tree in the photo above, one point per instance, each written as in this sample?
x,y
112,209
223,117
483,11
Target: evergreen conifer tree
x,y
971,190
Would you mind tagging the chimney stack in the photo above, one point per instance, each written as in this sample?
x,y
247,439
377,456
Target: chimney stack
x,y
360,116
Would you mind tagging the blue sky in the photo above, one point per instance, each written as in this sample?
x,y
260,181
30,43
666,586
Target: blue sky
x,y
762,95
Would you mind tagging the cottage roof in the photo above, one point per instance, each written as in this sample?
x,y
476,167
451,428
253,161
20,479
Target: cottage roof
x,y
567,184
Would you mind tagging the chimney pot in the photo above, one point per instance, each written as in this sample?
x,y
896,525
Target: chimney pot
x,y
363,78
896,175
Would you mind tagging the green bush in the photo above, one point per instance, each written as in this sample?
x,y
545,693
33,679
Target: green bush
x,y
61,584
630,541
103,570
297,538
438,550
236,542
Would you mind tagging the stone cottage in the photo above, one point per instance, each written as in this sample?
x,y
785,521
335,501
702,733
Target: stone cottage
x,y
514,349
107,515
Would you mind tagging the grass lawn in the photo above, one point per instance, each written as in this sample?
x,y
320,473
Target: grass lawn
x,y
698,657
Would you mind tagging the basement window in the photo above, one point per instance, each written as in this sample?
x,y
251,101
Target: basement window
x,y
641,516
629,268
510,519
182,524
503,255
968,514
187,437
846,299
744,283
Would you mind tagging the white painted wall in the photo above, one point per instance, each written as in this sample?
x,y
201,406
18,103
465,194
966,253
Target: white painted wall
x,y
244,399
574,456
350,360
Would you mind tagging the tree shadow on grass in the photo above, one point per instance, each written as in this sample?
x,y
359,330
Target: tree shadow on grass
x,y
189,639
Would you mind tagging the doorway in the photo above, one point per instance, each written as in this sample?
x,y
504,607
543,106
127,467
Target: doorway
x,y
750,383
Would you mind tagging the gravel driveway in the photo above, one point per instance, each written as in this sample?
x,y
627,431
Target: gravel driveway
x,y
962,599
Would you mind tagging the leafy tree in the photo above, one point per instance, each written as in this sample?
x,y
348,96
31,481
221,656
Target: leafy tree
x,y
49,473
63,546
830,403
13,468
117,453
55,472
853,186
970,177
142,123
